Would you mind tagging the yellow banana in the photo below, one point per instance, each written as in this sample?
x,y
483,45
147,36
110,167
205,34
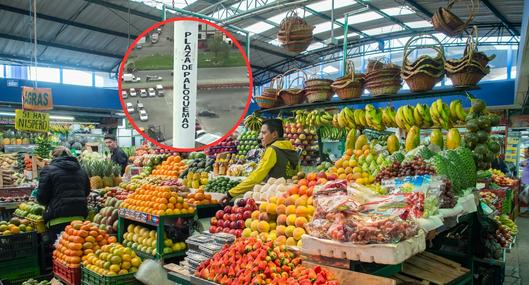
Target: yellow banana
x,y
417,116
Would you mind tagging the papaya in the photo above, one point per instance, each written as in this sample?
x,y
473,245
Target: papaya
x,y
360,142
413,139
436,137
351,139
393,144
453,139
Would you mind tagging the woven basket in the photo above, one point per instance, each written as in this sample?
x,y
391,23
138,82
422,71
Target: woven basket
x,y
318,83
350,85
265,102
292,96
423,76
448,23
468,77
294,33
275,86
319,96
352,90
422,82
384,90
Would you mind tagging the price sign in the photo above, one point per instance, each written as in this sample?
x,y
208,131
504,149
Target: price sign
x,y
37,99
31,121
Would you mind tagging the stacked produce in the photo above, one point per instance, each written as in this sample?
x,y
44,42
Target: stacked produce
x,y
142,239
200,198
252,261
272,188
18,138
313,119
80,239
173,166
21,198
112,260
223,161
15,226
425,71
44,146
479,123
8,177
306,139
138,180
324,166
501,179
157,200
8,161
220,185
232,219
401,169
204,246
227,145
332,134
30,210
382,78
107,218
253,122
247,141
149,160
102,173
195,180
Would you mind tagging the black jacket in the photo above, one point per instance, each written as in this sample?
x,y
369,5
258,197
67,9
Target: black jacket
x,y
121,158
63,188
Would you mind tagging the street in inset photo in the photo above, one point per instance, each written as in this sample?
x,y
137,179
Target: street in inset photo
x,y
222,83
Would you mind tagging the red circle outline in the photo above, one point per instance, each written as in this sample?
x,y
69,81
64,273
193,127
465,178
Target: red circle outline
x,y
131,48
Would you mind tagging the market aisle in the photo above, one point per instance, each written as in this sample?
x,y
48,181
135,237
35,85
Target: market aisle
x,y
517,267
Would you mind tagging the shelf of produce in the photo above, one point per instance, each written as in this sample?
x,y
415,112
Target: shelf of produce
x,y
370,99
10,206
148,219
145,255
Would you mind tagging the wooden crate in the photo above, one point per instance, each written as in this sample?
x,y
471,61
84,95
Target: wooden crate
x,y
428,268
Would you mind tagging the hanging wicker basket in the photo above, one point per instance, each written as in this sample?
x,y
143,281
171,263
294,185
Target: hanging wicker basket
x,y
426,71
275,86
294,33
448,23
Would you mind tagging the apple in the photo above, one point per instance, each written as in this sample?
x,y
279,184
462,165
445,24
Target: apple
x,y
219,214
226,217
238,233
239,217
213,229
227,209
241,203
213,221
220,223
332,176
263,217
233,217
239,224
251,202
246,214
226,230
233,232
322,174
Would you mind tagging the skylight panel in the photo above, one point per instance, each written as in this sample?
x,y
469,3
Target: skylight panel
x,y
362,18
259,27
383,30
314,46
323,27
278,18
326,5
419,24
349,35
396,11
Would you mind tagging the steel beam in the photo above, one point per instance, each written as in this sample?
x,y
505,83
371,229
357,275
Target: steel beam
x,y
419,7
510,27
60,46
27,60
381,13
326,17
125,9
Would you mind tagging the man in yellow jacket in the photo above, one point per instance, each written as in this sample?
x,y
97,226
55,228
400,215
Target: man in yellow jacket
x,y
280,159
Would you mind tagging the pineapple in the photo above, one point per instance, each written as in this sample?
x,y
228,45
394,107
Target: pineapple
x,y
95,171
116,169
108,181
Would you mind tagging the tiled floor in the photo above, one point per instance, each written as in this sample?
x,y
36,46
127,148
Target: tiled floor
x,y
517,266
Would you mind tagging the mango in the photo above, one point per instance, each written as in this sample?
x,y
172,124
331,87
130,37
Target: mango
x,y
360,142
436,137
453,139
393,144
413,139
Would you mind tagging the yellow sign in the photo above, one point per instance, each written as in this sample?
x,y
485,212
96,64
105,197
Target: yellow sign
x,y
37,99
31,121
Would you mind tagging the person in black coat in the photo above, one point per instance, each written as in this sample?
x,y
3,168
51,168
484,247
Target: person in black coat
x,y
63,188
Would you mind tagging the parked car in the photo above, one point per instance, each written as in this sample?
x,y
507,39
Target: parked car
x,y
140,106
124,94
152,93
130,108
128,77
153,78
132,92
159,89
143,93
143,115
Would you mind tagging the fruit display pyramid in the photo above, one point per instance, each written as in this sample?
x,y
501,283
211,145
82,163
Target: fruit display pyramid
x,y
157,200
247,141
304,138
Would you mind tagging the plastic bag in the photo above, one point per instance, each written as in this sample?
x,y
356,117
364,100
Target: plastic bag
x,y
380,229
403,205
152,273
333,201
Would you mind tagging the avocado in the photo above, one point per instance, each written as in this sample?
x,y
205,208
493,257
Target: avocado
x,y
482,136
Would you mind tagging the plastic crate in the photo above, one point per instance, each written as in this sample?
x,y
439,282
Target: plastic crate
x,y
92,278
19,245
69,276
20,268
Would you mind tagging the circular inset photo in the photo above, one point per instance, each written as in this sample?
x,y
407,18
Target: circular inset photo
x,y
185,84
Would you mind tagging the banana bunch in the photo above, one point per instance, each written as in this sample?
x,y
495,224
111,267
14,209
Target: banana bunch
x,y
60,128
388,117
421,114
457,113
253,122
332,133
440,113
507,222
405,118
345,119
360,118
374,118
314,118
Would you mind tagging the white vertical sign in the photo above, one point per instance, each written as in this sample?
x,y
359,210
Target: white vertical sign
x,y
185,83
